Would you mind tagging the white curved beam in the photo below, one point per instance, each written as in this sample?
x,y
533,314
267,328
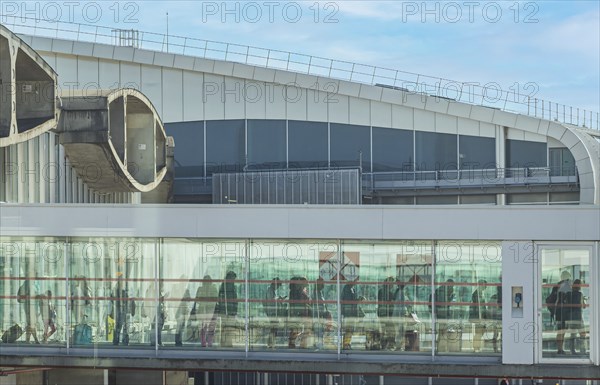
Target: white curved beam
x,y
114,139
28,91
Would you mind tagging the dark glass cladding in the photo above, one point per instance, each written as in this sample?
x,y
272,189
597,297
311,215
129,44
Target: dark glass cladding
x,y
189,142
392,150
266,144
435,151
477,153
347,143
225,146
307,145
521,153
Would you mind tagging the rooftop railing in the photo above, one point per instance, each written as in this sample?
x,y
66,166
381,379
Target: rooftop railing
x,y
489,95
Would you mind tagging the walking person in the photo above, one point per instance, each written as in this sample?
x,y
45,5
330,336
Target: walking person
x,y
227,309
206,299
563,308
349,314
158,320
577,326
48,311
478,314
273,310
385,312
400,315
182,292
322,316
120,309
300,313
444,295
24,297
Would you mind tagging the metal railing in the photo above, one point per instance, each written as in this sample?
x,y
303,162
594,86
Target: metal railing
x,y
489,95
471,177
372,181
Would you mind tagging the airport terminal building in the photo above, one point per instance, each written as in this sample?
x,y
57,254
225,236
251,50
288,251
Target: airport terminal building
x,y
206,213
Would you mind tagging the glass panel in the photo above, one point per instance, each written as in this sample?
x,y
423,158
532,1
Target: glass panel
x,y
308,144
392,149
108,278
189,144
384,297
293,298
562,162
348,144
468,295
33,291
477,153
435,151
225,146
266,144
202,287
565,286
521,153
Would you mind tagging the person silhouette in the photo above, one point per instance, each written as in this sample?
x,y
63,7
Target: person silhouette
x,y
227,308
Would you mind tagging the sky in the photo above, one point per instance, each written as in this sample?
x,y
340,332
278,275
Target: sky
x,y
546,49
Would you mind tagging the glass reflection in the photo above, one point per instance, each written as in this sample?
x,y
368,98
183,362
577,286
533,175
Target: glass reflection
x,y
566,298
393,297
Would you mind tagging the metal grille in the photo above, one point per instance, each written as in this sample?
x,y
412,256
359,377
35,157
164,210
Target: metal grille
x,y
332,187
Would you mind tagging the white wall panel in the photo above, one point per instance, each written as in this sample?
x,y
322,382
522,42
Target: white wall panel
x,y
87,73
172,103
338,111
66,68
514,134
192,96
255,97
296,104
214,108
232,91
151,86
275,107
50,58
359,111
518,270
363,222
130,75
424,120
381,114
108,74
535,137
446,124
468,127
487,130
402,117
316,105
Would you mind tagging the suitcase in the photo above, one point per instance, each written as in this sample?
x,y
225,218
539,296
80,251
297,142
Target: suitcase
x,y
82,335
411,341
12,334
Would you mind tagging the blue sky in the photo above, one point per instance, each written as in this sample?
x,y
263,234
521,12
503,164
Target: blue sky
x,y
554,45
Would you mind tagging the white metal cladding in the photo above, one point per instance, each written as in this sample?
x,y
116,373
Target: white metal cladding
x,y
554,223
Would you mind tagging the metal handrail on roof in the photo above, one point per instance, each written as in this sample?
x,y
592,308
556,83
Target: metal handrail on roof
x,y
489,95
